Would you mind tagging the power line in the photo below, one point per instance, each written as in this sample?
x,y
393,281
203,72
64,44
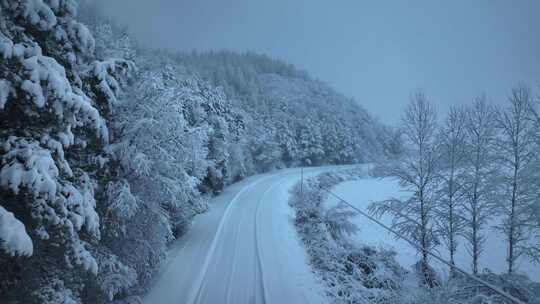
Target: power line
x,y
420,248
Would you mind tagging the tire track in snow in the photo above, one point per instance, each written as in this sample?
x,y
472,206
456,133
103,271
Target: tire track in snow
x,y
242,251
234,264
257,233
195,294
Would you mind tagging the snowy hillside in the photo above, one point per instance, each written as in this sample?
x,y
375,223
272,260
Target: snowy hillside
x,y
292,115
109,150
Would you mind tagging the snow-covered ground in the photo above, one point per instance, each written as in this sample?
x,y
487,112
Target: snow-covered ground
x,y
362,192
244,250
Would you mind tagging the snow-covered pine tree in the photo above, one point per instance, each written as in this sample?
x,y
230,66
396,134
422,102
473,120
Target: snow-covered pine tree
x,y
175,137
50,122
150,151
286,139
285,102
311,143
265,149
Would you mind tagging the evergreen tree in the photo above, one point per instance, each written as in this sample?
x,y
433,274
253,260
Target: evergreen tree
x,y
53,110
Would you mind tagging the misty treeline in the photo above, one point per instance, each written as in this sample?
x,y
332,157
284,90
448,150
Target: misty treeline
x,y
108,149
474,172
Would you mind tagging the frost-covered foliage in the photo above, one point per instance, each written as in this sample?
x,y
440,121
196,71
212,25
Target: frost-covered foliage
x,y
292,117
115,277
173,145
350,273
477,180
417,172
53,108
483,172
178,138
13,237
362,274
463,290
518,178
55,292
518,286
452,150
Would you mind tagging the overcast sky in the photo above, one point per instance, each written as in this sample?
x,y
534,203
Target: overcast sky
x,y
375,51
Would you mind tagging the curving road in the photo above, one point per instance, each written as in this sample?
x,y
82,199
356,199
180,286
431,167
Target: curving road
x,y
244,250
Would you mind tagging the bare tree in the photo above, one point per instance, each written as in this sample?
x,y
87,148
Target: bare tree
x,y
535,116
416,172
517,157
477,178
452,149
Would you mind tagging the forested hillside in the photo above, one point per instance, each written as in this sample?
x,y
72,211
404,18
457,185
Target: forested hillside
x,y
293,116
108,150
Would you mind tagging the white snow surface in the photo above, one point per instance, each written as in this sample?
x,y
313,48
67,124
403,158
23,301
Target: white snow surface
x,y
13,237
362,192
243,250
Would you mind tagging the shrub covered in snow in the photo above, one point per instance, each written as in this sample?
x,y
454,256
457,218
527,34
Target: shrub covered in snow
x,y
462,290
351,273
362,274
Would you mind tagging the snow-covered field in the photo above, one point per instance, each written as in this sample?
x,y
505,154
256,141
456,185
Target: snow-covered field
x,y
362,192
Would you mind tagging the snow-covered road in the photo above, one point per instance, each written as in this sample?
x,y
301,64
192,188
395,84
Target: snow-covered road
x,y
244,250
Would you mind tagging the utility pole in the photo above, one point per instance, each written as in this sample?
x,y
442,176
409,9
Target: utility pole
x,y
192,155
302,184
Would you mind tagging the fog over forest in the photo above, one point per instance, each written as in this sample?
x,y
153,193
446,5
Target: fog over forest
x,y
374,51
